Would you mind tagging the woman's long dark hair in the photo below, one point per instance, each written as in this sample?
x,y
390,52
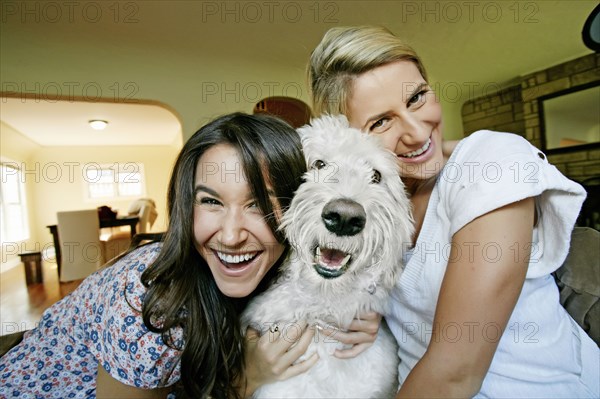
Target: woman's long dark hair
x,y
181,289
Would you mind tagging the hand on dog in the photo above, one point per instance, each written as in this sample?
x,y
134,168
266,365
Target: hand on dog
x,y
361,334
273,357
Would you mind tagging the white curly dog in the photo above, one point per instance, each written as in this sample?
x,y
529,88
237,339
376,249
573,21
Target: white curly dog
x,y
346,225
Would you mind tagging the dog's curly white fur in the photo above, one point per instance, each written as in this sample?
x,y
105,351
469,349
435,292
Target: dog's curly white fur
x,y
347,225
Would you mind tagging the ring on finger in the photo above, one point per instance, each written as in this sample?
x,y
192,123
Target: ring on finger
x,y
274,328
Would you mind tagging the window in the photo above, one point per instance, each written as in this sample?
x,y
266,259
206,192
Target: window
x,y
13,208
114,181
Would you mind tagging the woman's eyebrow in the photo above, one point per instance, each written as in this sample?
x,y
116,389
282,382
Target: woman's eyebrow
x,y
419,87
416,90
203,188
375,118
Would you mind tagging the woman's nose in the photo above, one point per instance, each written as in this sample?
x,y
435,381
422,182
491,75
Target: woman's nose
x,y
233,231
410,131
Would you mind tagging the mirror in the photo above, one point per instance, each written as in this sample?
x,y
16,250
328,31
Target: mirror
x,y
571,118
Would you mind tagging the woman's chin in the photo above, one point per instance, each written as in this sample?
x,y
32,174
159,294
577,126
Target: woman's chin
x,y
237,291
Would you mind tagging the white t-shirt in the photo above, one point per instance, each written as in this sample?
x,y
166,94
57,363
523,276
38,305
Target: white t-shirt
x,y
543,352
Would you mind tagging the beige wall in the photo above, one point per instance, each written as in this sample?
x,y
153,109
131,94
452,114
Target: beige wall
x,y
14,147
65,190
54,179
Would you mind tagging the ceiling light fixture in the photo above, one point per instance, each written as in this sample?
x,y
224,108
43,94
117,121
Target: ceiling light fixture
x,y
98,124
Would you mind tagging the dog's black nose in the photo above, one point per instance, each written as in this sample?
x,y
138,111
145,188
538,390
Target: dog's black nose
x,y
344,217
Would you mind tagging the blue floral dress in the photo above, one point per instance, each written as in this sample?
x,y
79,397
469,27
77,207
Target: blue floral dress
x,y
99,323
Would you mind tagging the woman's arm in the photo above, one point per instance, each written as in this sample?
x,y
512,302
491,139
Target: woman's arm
x,y
109,388
480,288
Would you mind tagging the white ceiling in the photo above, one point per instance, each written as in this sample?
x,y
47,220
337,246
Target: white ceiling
x,y
65,123
206,58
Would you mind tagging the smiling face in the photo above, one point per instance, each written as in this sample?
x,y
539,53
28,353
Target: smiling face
x,y
230,232
395,102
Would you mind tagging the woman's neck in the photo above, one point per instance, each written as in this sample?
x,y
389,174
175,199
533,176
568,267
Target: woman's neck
x,y
416,186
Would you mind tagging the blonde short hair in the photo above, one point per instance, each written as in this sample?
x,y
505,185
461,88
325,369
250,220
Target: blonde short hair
x,y
343,54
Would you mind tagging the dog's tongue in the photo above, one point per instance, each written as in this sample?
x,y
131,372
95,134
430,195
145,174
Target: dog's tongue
x,y
332,257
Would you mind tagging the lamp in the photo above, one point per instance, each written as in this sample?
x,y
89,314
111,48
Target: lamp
x,y
591,30
98,124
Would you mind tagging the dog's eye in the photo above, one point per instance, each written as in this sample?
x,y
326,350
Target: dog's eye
x,y
376,178
318,164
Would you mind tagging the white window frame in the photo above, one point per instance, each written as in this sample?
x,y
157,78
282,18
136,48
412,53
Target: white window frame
x,y
92,174
7,232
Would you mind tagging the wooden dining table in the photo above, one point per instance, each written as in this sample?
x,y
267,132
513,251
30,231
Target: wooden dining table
x,y
130,221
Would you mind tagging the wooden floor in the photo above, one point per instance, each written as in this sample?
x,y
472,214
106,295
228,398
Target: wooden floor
x,y
21,306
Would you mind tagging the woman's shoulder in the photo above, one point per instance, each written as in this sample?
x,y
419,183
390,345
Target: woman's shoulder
x,y
498,158
126,271
101,289
143,255
132,263
138,260
489,170
118,337
131,267
489,144
122,281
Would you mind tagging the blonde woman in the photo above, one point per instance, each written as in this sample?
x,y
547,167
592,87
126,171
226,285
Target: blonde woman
x,y
475,311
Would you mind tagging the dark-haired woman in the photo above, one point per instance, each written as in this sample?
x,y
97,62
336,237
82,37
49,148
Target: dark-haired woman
x,y
164,318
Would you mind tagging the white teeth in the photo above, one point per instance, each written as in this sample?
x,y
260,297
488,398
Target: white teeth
x,y
417,152
318,255
346,259
236,258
